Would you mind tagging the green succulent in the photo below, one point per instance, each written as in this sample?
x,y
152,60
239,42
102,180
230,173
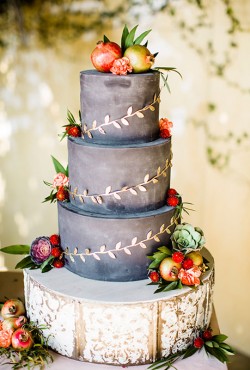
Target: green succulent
x,y
187,238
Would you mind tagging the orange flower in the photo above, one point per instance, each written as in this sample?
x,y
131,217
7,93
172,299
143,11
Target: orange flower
x,y
5,338
165,128
190,276
121,66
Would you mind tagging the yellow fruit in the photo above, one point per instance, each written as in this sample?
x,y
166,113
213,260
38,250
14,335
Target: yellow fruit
x,y
196,257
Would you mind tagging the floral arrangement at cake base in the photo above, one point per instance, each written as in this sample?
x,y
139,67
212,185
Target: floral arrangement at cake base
x,y
214,345
21,342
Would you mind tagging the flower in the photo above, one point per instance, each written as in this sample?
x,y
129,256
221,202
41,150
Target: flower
x,y
165,128
187,238
5,338
40,250
207,334
178,257
190,276
121,66
60,180
54,239
198,342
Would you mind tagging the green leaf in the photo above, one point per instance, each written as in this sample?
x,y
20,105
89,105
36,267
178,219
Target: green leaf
x,y
25,263
125,33
58,166
219,338
105,38
190,351
154,265
165,250
179,286
169,69
47,261
71,118
171,286
139,39
47,268
209,343
159,256
16,249
130,37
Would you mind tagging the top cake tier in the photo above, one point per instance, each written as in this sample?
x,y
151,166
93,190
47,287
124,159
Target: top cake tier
x,y
120,109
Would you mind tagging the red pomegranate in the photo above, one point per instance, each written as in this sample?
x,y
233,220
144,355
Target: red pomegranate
x,y
104,55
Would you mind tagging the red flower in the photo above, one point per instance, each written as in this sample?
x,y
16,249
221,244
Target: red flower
x,y
172,192
58,263
207,334
121,66
187,263
74,131
154,276
62,194
56,252
165,128
178,257
172,201
165,134
55,239
190,276
198,342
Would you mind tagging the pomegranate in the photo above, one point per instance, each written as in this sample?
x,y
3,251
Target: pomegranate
x,y
196,257
12,308
140,58
14,323
22,340
169,269
104,55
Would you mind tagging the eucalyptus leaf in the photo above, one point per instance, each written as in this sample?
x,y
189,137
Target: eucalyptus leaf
x,y
58,166
16,249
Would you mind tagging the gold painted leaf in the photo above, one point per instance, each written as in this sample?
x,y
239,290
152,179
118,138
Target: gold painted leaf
x,y
155,181
158,99
152,108
146,178
149,234
100,129
118,245
111,254
85,192
75,191
164,174
116,124
158,171
108,190
102,248
162,228
125,122
167,161
89,134
156,238
142,188
117,196
142,245
127,251
99,199
81,199
75,251
93,199
134,240
87,251
139,114
172,220
106,119
96,256
154,97
82,257
133,191
129,111
94,124
125,188
85,128
72,258
66,250
168,231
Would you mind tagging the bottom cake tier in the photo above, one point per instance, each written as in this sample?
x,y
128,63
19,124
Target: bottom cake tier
x,y
116,323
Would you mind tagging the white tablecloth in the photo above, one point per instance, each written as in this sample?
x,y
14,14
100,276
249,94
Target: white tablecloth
x,y
199,361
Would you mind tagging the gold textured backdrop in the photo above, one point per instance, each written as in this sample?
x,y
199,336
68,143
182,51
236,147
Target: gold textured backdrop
x,y
210,113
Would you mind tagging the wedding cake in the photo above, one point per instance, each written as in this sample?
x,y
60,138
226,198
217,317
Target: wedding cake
x,y
101,308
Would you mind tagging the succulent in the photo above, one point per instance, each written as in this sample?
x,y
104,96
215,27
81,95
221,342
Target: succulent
x,y
187,238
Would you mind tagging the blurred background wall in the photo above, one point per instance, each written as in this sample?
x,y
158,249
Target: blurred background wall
x,y
44,45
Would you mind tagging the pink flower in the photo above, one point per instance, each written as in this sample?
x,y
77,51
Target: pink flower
x,y
5,338
121,66
190,276
40,250
165,128
60,180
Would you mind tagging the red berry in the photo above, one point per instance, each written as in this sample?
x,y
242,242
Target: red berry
x,y
58,263
67,128
74,131
55,239
207,334
172,201
154,276
62,194
178,257
187,263
56,252
165,133
172,192
198,342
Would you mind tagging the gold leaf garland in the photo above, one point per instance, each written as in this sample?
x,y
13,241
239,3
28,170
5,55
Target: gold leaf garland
x,y
123,120
119,248
100,198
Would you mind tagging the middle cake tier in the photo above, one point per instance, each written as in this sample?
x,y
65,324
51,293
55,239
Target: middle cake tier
x,y
119,178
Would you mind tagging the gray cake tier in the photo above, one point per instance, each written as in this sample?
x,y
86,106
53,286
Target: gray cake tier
x,y
119,179
120,109
112,248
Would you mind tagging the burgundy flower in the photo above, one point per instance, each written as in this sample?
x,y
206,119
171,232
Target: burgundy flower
x,y
198,342
40,250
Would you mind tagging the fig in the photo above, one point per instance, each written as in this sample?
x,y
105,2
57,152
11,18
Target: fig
x,y
12,308
140,58
104,54
22,340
